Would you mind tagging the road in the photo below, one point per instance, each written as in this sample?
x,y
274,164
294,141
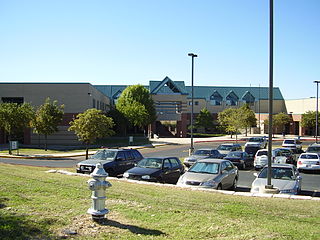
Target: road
x,y
310,181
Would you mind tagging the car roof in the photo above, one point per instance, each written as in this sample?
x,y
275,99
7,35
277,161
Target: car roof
x,y
230,144
209,149
284,165
314,145
161,157
309,153
236,152
213,160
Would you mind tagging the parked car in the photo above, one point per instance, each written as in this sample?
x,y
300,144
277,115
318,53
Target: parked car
x,y
289,154
241,159
261,158
257,141
252,150
225,148
114,161
285,177
211,173
313,148
156,169
308,161
201,154
294,144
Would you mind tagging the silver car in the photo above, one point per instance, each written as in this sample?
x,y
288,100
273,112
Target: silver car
x,y
211,173
285,177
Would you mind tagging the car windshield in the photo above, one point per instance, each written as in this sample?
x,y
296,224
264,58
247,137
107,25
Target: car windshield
x,y
234,154
104,154
224,147
309,156
150,163
205,167
255,140
289,141
278,173
313,149
262,153
286,152
202,152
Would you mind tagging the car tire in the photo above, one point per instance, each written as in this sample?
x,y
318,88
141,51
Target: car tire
x,y
243,166
219,186
235,184
111,172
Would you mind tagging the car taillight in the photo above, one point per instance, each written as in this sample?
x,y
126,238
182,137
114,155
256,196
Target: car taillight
x,y
299,162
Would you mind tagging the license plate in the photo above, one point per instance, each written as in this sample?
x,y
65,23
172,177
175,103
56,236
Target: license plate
x,y
308,165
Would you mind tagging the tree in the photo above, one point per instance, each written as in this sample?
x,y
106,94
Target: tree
x,y
204,119
14,118
120,122
47,118
230,118
248,117
281,120
136,104
309,120
91,125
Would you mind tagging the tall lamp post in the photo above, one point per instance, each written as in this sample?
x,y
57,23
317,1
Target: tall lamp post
x,y
317,82
192,55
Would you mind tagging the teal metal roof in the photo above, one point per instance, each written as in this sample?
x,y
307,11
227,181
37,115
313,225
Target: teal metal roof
x,y
167,86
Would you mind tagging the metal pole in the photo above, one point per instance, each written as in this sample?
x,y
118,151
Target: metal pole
x,y
259,112
317,82
269,186
192,97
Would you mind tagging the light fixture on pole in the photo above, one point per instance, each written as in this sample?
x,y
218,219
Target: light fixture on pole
x,y
317,82
192,55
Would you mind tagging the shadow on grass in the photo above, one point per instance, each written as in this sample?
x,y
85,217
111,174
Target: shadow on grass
x,y
15,226
131,228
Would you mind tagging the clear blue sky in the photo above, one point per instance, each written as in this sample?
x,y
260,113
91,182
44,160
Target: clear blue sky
x,y
134,41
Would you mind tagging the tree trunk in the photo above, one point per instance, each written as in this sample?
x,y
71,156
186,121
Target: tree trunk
x,y
87,151
9,139
45,142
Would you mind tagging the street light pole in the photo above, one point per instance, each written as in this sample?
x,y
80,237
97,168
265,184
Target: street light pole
x,y
192,55
269,185
317,82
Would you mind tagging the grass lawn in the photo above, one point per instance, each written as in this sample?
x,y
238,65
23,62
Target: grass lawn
x,y
39,205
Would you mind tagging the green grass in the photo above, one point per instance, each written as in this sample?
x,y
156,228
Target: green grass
x,y
39,205
30,151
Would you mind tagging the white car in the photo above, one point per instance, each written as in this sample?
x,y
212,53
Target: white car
x,y
256,142
293,144
308,161
285,177
261,158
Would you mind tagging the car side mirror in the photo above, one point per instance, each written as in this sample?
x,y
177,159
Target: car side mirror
x,y
119,158
255,174
165,168
299,178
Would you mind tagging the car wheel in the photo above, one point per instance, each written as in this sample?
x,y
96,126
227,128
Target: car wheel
x,y
243,166
219,186
235,184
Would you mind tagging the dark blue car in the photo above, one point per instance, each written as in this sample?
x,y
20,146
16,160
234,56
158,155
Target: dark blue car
x,y
241,159
156,169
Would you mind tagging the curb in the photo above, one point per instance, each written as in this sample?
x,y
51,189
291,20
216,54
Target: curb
x,y
225,192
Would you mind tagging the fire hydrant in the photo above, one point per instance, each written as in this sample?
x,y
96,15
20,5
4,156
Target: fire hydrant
x,y
98,186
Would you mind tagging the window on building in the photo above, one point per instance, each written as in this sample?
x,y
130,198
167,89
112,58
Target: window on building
x,y
232,99
93,103
18,100
195,103
216,99
248,98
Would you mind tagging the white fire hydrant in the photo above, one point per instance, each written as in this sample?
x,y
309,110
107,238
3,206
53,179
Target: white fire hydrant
x,y
98,186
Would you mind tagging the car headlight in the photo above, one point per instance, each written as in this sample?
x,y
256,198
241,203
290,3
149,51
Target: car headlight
x,y
145,177
210,183
126,175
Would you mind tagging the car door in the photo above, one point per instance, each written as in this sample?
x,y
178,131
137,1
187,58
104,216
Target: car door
x,y
225,178
168,175
120,163
231,173
177,169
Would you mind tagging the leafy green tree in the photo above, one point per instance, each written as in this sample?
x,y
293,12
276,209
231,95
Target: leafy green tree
x,y
280,120
91,125
248,116
230,118
47,118
204,119
136,104
14,118
120,122
309,120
